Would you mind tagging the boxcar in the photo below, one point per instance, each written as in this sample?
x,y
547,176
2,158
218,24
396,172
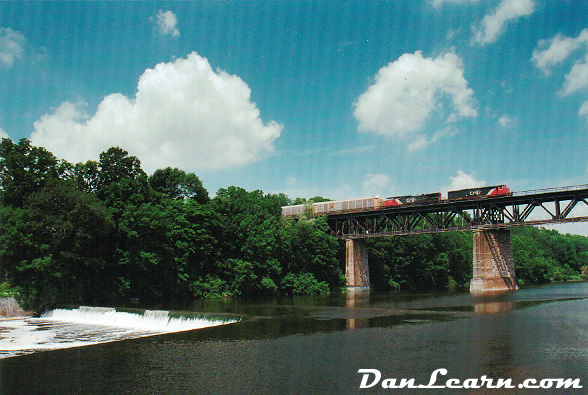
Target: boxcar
x,y
334,206
472,193
347,205
412,199
293,211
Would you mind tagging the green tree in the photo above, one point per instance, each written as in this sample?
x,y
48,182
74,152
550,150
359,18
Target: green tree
x,y
177,184
309,249
66,235
252,240
166,248
24,169
121,181
87,176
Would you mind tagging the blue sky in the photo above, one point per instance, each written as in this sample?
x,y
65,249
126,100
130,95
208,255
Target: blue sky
x,y
341,99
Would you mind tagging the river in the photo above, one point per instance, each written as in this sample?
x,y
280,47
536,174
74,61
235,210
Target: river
x,y
317,345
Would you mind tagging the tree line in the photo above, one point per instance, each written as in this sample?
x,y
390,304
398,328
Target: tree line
x,y
106,232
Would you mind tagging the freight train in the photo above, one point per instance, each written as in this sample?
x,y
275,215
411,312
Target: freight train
x,y
374,203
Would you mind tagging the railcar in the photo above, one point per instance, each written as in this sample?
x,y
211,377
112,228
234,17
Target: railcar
x,y
473,193
293,211
412,199
347,205
321,208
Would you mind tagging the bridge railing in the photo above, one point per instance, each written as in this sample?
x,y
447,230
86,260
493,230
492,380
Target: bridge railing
x,y
547,190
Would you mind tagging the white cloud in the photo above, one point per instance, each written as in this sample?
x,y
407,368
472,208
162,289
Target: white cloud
x,y
507,121
11,46
494,24
376,184
439,3
184,115
550,53
577,78
583,112
409,90
462,181
166,23
422,141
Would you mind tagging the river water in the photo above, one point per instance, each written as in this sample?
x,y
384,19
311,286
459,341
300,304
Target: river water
x,y
316,345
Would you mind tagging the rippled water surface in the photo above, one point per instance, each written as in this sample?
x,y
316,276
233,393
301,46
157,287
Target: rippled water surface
x,y
317,346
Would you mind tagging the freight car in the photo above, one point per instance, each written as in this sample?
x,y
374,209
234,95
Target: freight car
x,y
321,208
348,205
413,199
472,193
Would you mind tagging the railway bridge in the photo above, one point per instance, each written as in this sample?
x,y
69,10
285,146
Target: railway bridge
x,y
488,217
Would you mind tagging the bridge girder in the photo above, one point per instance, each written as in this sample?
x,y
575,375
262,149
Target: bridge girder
x,y
483,213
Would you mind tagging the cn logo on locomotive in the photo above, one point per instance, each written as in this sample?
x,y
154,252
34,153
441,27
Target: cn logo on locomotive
x,y
475,192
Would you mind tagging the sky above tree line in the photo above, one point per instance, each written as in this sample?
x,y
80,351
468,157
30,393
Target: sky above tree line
x,y
341,99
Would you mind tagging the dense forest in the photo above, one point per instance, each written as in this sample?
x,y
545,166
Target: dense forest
x,y
106,232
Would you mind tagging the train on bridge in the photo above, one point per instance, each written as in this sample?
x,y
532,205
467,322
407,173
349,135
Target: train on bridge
x,y
375,203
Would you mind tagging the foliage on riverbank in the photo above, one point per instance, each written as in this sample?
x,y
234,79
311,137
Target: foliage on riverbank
x,y
106,232
444,260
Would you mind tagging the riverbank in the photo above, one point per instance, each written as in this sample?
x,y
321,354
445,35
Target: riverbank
x,y
9,308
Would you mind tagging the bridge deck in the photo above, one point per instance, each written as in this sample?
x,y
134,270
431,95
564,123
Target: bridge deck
x,y
466,214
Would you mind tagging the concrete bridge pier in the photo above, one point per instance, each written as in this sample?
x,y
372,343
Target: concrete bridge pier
x,y
357,272
494,272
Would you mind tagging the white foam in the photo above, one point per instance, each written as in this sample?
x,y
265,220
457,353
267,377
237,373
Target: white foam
x,y
151,320
63,328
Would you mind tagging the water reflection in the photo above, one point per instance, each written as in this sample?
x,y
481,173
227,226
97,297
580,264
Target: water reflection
x,y
355,299
494,307
317,345
494,347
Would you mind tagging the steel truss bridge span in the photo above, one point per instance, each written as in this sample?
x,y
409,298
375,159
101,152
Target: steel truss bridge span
x,y
537,207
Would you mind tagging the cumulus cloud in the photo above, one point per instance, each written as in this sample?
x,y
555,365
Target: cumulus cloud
x,y
577,78
166,23
11,46
462,181
550,53
376,184
184,114
493,25
408,91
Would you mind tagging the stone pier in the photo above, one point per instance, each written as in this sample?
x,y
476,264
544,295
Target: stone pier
x,y
493,272
357,272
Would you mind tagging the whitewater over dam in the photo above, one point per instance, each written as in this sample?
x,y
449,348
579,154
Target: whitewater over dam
x,y
65,328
